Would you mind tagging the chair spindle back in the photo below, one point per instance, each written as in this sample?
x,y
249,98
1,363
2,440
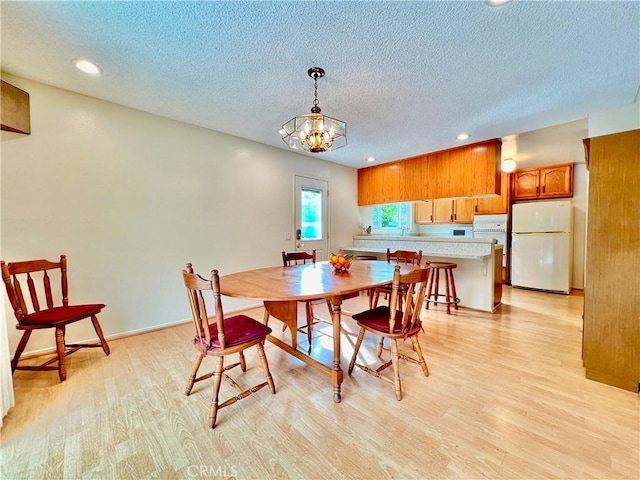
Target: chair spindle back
x,y
15,272
404,256
196,285
297,258
414,283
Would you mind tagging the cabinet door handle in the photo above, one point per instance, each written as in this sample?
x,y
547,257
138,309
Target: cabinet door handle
x,y
431,217
451,217
543,187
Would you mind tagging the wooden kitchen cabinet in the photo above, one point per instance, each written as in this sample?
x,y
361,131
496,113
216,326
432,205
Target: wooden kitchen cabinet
x,y
495,205
423,212
555,181
467,171
443,211
463,210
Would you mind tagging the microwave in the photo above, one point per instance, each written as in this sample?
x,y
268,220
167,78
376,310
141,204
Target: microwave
x,y
461,232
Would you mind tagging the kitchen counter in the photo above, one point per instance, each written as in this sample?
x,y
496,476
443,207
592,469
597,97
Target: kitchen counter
x,y
478,276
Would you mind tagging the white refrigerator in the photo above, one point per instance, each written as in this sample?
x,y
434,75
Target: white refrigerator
x,y
542,245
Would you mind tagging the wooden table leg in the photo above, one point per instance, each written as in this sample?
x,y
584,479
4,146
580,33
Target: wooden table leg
x,y
336,373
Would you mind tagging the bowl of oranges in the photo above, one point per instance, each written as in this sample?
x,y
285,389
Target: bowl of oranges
x,y
341,262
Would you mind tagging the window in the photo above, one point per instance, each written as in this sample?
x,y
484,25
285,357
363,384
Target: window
x,y
391,215
311,214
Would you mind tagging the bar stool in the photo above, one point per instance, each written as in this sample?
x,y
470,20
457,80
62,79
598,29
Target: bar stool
x,y
450,296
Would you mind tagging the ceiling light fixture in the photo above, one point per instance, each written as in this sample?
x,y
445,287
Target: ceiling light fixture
x,y
508,165
496,3
371,159
314,132
463,136
87,67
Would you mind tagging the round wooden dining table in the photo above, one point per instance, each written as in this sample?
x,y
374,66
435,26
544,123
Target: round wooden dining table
x,y
280,288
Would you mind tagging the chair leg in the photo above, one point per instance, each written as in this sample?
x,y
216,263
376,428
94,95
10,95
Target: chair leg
x,y
103,342
265,320
376,297
217,379
418,350
20,349
243,362
310,315
355,350
194,374
395,360
437,282
265,366
371,293
62,364
380,346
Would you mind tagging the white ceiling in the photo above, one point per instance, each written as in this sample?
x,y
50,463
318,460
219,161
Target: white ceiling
x,y
407,77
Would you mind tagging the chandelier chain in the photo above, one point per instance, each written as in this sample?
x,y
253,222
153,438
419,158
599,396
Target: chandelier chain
x,y
315,93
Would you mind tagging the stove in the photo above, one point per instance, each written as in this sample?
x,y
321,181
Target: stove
x,y
492,226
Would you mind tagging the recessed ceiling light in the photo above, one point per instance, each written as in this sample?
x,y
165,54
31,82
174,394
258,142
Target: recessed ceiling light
x,y
496,3
87,67
371,159
463,136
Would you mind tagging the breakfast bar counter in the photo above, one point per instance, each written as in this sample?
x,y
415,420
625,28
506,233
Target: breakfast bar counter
x,y
478,276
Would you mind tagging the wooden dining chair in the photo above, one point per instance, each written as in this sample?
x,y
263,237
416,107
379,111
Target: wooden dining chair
x,y
41,314
392,323
225,336
401,257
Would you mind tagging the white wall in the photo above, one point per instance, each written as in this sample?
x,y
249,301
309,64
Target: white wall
x,y
617,120
131,197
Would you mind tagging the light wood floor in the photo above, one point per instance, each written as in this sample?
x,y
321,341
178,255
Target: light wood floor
x,y
506,398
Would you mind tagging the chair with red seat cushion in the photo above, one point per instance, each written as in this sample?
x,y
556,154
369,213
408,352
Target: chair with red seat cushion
x,y
49,315
392,323
224,337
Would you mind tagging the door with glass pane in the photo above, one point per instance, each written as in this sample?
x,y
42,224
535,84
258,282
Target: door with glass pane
x,y
311,216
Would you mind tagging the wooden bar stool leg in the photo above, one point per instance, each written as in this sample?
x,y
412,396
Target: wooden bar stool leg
x,y
453,288
437,286
447,290
429,287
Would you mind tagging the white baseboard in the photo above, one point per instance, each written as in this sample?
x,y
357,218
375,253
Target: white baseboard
x,y
129,333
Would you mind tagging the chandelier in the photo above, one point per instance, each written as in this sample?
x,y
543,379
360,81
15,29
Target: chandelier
x,y
314,132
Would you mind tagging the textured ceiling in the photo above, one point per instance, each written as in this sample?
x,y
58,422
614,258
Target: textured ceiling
x,y
407,77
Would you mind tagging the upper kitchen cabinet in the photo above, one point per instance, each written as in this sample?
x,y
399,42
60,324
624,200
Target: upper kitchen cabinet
x,y
15,109
443,211
498,204
555,181
381,184
468,171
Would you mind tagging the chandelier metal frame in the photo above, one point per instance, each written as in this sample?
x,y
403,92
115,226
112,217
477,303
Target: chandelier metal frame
x,y
315,132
